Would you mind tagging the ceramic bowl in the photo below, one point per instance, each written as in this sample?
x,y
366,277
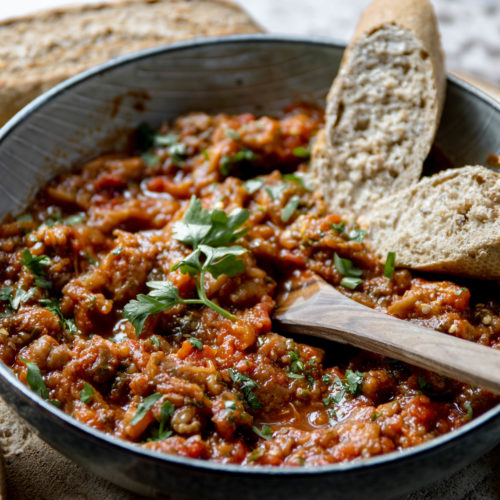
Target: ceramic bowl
x,y
85,115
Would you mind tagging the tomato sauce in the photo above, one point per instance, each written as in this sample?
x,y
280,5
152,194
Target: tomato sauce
x,y
193,382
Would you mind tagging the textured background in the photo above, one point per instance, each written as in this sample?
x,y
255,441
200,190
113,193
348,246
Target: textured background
x,y
470,28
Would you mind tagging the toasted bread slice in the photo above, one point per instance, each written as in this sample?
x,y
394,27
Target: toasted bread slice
x,y
447,223
42,49
383,108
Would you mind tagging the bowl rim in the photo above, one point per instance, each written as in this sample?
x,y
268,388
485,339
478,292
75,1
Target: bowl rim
x,y
50,411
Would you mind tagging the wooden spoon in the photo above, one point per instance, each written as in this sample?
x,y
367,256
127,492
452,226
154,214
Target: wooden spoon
x,y
312,307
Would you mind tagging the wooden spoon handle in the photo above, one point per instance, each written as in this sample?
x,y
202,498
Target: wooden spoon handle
x,y
328,314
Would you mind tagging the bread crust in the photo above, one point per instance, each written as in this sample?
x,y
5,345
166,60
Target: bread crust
x,y
39,50
361,163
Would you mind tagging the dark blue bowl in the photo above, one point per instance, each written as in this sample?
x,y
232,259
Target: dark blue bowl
x,y
81,117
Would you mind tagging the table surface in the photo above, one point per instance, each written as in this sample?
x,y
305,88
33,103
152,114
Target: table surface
x,y
471,39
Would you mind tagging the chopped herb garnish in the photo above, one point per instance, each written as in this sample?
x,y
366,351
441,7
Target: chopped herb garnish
x,y
178,152
295,375
265,432
166,412
301,152
165,140
296,366
24,218
55,218
230,405
205,154
354,381
244,154
117,251
290,208
144,407
301,179
460,291
233,134
253,185
196,343
339,228
155,341
276,191
207,232
14,301
256,454
374,416
351,274
357,235
75,219
53,306
35,379
87,393
37,264
389,265
470,412
351,283
247,386
326,378
91,260
150,159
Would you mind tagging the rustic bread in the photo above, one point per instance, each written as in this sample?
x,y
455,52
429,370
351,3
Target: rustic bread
x,y
447,223
384,106
40,50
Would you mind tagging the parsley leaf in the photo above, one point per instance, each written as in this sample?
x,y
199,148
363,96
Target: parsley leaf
x,y
227,161
233,134
265,432
276,191
301,179
75,219
166,412
87,393
53,306
339,228
164,295
301,152
20,297
253,185
346,268
290,208
354,381
144,407
350,282
196,343
209,227
389,265
150,159
247,386
35,379
37,264
357,235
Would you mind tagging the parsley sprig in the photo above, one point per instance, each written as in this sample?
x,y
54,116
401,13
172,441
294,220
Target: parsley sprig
x,y
247,386
208,233
37,265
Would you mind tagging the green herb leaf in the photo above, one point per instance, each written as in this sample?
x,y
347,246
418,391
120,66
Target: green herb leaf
x,y
301,152
53,306
164,295
36,264
247,386
222,260
294,375
144,407
290,208
230,405
354,381
326,378
150,159
209,227
244,155
75,219
470,412
351,283
117,251
253,185
276,191
339,228
389,265
35,379
20,297
346,267
24,218
301,179
165,140
87,393
155,341
357,235
265,432
196,343
233,134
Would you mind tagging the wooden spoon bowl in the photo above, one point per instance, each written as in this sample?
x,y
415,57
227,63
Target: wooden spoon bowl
x,y
313,307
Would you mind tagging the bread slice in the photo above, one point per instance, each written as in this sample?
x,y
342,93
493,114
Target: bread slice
x,y
447,223
384,106
40,50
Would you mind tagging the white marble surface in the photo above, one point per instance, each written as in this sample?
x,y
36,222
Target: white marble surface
x,y
470,28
